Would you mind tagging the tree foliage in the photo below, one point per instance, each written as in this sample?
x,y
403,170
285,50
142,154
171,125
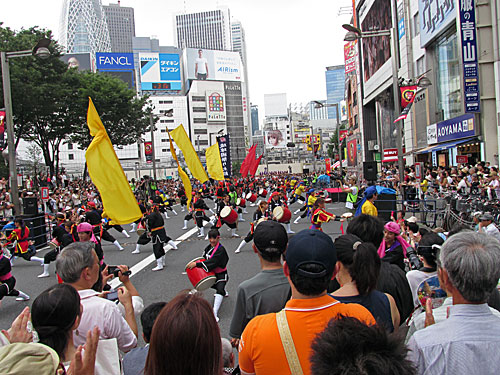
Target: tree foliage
x,y
50,101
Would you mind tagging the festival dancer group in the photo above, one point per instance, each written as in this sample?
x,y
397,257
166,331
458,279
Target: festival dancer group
x,y
86,222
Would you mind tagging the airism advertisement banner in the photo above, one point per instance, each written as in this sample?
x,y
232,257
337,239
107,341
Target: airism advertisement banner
x,y
212,65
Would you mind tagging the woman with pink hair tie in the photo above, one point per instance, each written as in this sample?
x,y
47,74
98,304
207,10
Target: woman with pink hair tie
x,y
393,246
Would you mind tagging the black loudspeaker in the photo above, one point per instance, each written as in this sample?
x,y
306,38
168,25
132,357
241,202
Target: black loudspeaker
x,y
386,204
30,206
38,230
370,170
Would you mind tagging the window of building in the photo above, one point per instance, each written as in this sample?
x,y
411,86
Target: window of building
x,y
200,131
199,120
449,96
416,24
163,150
198,98
164,140
162,131
70,146
420,66
71,157
199,109
202,142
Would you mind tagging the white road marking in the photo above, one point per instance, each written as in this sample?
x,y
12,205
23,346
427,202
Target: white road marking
x,y
150,259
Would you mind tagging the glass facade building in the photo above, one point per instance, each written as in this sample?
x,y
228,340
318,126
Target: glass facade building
x,y
83,27
335,88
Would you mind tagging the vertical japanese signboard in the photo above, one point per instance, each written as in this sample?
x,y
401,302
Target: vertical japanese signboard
x,y
469,55
225,154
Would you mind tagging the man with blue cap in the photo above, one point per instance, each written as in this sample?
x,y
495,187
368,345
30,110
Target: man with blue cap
x,y
366,206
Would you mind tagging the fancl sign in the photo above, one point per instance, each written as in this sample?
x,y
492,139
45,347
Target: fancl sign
x,y
456,128
114,61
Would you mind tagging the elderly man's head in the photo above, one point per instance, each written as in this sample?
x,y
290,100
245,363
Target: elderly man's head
x,y
78,264
470,265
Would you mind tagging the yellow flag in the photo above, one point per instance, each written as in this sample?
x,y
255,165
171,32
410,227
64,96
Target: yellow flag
x,y
193,162
106,172
214,163
184,177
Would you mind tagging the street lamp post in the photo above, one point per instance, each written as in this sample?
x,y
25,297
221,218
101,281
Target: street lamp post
x,y
153,143
353,34
41,50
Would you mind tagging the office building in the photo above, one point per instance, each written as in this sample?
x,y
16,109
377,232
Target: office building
x,y
255,118
169,84
83,27
121,25
205,30
335,88
238,40
216,108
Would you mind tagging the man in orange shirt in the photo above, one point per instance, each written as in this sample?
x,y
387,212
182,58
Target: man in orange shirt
x,y
281,343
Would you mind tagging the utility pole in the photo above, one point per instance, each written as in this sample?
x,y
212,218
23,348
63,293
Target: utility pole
x,y
14,190
153,143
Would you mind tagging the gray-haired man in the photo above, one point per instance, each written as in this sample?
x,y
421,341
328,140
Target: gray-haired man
x,y
78,266
468,341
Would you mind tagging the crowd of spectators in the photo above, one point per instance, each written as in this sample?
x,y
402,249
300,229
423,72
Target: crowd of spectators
x,y
318,306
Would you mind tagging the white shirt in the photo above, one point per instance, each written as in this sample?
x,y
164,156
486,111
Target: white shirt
x,y
106,315
200,63
415,278
492,230
441,313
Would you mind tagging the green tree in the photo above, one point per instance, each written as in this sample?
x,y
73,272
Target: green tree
x,y
50,101
123,114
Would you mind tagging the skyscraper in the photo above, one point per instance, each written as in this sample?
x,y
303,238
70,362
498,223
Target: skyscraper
x,y
207,30
121,25
83,27
255,118
238,40
335,88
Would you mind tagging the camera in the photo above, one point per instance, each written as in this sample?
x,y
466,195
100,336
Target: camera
x,y
412,256
115,271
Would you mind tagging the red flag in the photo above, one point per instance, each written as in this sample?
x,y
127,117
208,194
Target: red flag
x,y
247,163
255,165
407,98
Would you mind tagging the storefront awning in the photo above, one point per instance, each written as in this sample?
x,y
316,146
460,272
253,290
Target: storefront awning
x,y
445,146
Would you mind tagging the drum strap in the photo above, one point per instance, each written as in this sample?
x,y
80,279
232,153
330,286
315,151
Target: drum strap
x,y
288,345
218,269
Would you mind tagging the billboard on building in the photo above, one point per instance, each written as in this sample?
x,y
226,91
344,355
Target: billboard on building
x,y
376,50
119,65
275,138
352,153
216,106
114,61
206,64
435,16
82,61
160,71
350,56
275,105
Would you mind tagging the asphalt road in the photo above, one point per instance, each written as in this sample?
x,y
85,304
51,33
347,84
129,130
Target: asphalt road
x,y
166,284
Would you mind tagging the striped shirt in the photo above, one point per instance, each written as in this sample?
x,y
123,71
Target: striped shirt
x,y
465,343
